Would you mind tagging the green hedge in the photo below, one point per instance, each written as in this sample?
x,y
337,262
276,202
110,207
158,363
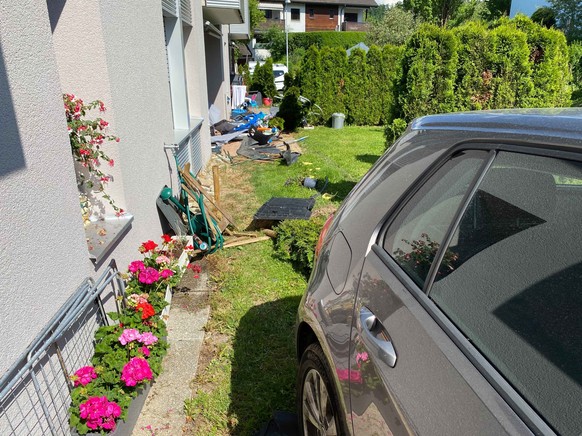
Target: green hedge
x,y
325,39
515,63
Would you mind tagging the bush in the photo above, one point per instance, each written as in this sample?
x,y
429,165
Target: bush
x,y
263,79
309,78
391,25
576,63
357,89
296,241
473,84
378,85
325,39
508,57
429,71
549,62
394,130
333,72
291,110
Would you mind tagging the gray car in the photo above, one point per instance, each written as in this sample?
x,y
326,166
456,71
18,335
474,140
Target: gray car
x,y
446,297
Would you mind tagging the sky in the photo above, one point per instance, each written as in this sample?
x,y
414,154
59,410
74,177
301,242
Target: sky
x,y
526,7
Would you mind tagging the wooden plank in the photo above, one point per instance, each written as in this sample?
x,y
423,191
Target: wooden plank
x,y
216,181
196,186
246,241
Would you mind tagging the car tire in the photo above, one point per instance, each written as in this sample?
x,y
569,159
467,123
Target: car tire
x,y
318,406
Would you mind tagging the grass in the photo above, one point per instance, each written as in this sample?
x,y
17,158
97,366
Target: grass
x,y
249,366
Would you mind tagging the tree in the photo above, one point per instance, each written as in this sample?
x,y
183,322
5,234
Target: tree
x,y
274,40
391,25
470,10
256,16
498,8
544,16
433,11
569,17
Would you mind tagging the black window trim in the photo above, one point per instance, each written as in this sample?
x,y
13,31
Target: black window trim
x,y
518,404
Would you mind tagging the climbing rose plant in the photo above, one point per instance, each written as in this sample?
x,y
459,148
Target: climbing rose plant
x,y
87,136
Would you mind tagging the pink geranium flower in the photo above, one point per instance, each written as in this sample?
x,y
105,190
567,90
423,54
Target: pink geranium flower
x,y
129,335
135,266
167,273
148,338
84,376
162,259
149,275
99,413
136,371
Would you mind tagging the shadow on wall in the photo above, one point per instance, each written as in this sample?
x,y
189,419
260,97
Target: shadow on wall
x,y
10,144
55,8
264,366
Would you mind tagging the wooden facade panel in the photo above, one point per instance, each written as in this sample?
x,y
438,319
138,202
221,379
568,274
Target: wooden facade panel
x,y
320,17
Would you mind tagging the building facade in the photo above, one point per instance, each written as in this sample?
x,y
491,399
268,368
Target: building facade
x,y
157,65
317,15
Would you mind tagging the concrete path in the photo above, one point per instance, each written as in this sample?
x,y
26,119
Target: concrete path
x,y
163,412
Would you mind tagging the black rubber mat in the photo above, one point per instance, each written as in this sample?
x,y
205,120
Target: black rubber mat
x,y
280,208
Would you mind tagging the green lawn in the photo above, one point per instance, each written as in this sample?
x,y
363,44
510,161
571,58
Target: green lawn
x,y
253,369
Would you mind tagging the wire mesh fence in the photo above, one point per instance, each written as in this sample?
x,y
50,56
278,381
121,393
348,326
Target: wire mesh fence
x,y
35,391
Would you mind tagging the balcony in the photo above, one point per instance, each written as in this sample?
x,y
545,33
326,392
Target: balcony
x,y
350,26
224,11
242,31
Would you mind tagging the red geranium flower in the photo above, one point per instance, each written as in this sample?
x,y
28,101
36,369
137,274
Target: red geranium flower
x,y
147,246
147,310
167,238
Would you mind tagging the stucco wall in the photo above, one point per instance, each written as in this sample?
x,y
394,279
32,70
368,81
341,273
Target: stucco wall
x,y
97,49
126,67
41,228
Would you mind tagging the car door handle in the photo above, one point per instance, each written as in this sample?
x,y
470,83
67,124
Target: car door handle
x,y
376,334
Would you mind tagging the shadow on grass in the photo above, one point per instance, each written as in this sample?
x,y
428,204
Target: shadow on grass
x,y
264,366
368,158
339,189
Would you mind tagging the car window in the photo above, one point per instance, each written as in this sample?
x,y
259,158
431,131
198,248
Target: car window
x,y
278,73
414,236
514,282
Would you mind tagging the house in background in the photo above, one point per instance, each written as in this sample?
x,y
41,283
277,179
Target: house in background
x,y
157,66
317,15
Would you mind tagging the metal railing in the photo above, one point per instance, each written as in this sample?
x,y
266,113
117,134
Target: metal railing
x,y
35,391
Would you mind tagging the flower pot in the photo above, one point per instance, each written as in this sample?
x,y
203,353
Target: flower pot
x,y
182,263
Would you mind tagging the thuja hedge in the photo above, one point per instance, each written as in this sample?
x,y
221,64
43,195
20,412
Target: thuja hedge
x,y
325,39
514,63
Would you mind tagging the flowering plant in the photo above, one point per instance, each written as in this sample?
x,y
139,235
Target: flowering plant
x,y
127,354
87,137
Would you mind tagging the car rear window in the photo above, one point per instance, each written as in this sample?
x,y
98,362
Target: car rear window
x,y
414,236
513,280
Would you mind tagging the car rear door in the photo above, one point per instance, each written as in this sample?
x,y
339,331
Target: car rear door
x,y
406,375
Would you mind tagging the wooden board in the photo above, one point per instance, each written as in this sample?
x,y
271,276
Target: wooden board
x,y
195,185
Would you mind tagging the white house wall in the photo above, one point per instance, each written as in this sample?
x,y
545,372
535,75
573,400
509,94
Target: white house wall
x,y
196,80
295,25
106,49
43,254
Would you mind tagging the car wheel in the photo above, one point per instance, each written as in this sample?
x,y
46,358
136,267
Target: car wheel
x,y
317,404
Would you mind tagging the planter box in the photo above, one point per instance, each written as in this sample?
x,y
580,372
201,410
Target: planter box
x,y
182,263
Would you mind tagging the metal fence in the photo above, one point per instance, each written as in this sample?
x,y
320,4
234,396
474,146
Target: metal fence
x,y
35,391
